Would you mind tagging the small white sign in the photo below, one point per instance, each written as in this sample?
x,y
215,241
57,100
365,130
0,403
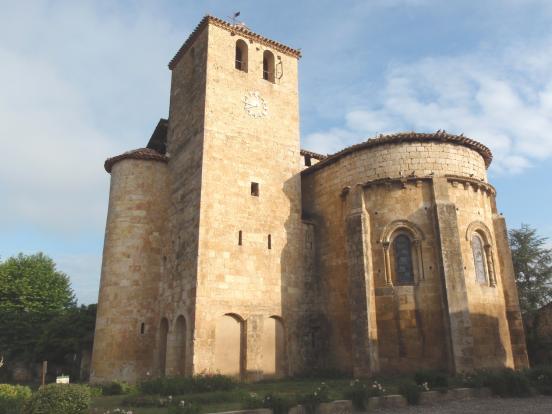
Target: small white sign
x,y
64,379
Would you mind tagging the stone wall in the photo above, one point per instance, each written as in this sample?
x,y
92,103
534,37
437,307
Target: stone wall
x,y
185,142
248,290
131,270
442,320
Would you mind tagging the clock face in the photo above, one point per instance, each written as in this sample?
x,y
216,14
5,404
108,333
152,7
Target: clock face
x,y
255,105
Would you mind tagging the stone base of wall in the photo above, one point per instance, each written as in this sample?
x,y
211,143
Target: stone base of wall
x,y
386,401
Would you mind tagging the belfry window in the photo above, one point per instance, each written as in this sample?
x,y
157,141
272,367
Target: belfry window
x,y
268,66
479,259
241,55
402,251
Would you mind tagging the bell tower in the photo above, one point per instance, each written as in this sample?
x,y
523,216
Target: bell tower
x,y
235,220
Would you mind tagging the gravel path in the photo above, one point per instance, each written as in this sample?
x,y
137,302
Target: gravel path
x,y
534,405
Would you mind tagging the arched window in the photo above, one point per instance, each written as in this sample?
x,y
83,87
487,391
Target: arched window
x,y
402,248
402,252
268,66
479,259
241,55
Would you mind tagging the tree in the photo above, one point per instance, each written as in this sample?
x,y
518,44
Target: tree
x,y
533,269
32,292
68,333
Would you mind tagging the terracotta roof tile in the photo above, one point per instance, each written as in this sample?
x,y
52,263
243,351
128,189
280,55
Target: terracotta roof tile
x,y
439,136
314,155
235,28
137,154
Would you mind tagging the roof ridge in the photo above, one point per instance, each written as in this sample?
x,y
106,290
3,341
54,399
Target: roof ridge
x,y
136,154
238,28
439,135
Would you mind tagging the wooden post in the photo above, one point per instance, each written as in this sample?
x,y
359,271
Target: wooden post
x,y
44,368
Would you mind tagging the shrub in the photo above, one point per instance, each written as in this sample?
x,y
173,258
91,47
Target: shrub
x,y
541,379
115,388
433,379
411,391
95,391
357,393
312,400
504,382
59,398
252,401
477,379
186,385
277,403
12,398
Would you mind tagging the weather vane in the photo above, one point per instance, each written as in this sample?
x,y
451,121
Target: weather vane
x,y
234,17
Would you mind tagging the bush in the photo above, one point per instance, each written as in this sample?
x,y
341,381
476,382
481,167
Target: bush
x,y
187,385
503,382
277,403
359,392
541,379
115,388
95,391
411,391
59,398
433,379
312,400
13,397
252,401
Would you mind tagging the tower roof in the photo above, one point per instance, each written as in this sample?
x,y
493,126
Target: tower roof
x,y
137,154
439,136
235,29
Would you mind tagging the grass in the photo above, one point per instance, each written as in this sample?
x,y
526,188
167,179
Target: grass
x,y
231,400
218,401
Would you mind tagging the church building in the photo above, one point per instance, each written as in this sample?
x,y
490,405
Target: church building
x,y
228,249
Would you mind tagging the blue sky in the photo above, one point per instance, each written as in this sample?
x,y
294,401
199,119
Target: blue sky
x,y
82,81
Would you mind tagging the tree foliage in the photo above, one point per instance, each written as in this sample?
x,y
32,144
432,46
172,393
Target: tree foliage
x,y
533,268
32,293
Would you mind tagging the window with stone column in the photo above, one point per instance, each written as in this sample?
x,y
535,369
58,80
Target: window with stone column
x,y
479,237
402,249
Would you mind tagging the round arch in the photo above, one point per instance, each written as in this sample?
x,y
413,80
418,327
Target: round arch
x,y
415,235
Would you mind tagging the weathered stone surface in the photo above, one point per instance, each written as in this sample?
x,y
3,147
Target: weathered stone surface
x,y
229,254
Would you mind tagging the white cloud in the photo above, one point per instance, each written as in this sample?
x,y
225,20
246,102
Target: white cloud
x,y
79,82
495,99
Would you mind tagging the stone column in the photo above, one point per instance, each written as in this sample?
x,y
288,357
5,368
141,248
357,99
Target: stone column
x,y
454,282
361,287
513,313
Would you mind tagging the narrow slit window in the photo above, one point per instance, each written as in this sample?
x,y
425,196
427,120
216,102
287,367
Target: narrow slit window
x,y
255,189
142,328
269,242
240,238
308,161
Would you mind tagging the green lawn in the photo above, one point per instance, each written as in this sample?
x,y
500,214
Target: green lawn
x,y
218,401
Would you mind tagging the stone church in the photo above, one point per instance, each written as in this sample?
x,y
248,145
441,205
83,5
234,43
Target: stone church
x,y
229,249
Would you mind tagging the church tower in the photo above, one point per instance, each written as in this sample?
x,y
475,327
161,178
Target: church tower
x,y
233,261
